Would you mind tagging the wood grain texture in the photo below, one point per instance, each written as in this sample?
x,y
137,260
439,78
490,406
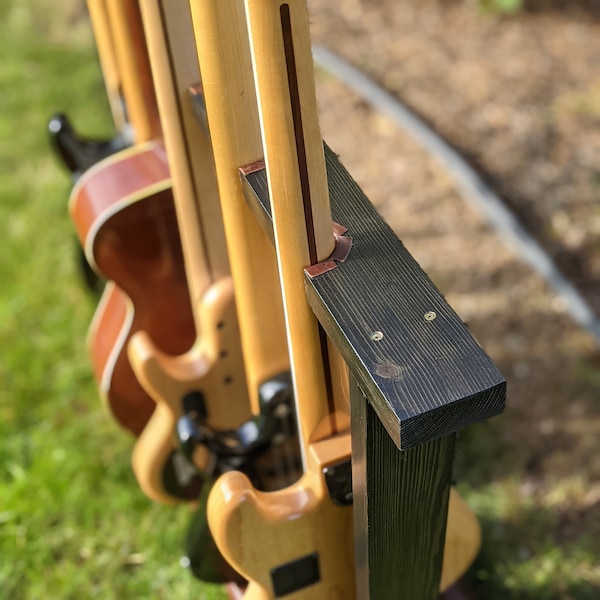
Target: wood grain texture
x,y
232,113
425,378
258,532
400,506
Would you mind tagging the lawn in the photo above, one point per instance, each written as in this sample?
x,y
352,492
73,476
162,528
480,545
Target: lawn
x,y
73,523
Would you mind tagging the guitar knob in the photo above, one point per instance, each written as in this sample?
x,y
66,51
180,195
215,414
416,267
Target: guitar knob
x,y
193,442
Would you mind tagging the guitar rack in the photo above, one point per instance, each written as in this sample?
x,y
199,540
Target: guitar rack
x,y
417,375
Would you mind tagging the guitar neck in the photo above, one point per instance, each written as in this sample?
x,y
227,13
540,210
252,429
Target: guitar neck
x,y
175,69
225,62
108,60
297,180
129,54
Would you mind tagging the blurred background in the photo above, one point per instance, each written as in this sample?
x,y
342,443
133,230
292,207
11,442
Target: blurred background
x,y
515,88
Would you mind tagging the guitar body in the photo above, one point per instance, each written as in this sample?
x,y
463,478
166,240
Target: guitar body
x,y
123,212
210,369
306,547
301,521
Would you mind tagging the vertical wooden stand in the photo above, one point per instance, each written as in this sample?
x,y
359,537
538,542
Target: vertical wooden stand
x,y
400,508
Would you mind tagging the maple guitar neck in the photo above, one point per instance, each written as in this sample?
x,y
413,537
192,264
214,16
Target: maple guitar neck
x,y
108,60
134,79
295,166
228,87
299,540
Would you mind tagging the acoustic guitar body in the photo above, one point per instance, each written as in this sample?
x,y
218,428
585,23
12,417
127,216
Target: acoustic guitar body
x,y
124,215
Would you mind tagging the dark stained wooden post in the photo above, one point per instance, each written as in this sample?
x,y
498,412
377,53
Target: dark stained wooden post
x,y
417,377
400,508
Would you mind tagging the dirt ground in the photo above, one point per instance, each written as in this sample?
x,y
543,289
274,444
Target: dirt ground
x,y
519,96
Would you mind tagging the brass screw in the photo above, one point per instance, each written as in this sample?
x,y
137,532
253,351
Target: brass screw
x,y
376,336
430,316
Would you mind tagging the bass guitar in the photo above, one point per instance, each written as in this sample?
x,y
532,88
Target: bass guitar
x,y
297,541
206,381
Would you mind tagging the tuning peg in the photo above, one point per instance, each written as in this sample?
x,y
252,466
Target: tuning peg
x,y
78,153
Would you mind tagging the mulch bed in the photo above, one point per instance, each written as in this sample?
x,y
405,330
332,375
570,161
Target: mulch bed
x,y
519,96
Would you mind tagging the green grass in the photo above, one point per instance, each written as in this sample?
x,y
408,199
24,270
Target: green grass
x,y
73,523
521,557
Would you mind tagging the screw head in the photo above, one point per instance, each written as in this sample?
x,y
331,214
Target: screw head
x,y
430,316
376,336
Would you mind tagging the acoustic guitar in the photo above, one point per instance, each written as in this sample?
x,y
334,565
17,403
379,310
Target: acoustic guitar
x,y
124,216
297,541
124,61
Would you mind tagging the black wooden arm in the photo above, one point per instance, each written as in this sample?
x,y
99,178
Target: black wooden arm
x,y
412,356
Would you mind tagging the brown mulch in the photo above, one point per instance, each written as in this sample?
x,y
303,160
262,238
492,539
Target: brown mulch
x,y
519,96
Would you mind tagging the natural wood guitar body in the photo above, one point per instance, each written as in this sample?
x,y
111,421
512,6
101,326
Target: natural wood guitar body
x,y
302,521
299,528
209,368
124,216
